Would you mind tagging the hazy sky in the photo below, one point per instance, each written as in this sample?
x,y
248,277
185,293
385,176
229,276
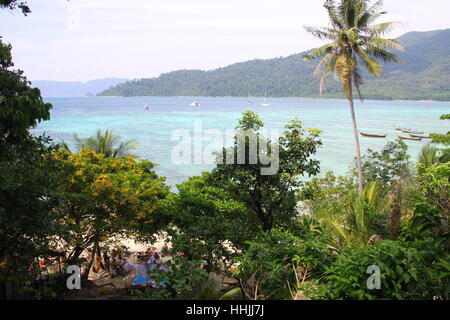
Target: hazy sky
x,y
91,39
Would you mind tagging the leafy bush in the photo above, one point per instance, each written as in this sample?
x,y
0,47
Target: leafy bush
x,y
271,265
391,163
407,272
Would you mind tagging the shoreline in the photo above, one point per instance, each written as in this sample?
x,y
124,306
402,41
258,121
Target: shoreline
x,y
261,97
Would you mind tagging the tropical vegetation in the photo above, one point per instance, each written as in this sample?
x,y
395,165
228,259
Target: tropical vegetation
x,y
288,233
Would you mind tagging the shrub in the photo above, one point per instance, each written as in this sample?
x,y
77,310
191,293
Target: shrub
x,y
272,263
407,272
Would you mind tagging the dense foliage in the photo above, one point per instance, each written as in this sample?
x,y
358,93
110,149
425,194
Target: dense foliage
x,y
278,262
240,195
270,197
277,236
194,213
408,271
21,106
105,197
28,176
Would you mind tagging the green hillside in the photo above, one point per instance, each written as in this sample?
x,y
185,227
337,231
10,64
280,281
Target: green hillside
x,y
424,74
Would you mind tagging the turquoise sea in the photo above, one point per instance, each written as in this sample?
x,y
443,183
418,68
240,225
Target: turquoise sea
x,y
153,128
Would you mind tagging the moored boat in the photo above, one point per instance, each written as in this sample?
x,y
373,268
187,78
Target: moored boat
x,y
373,135
265,103
411,131
408,138
419,136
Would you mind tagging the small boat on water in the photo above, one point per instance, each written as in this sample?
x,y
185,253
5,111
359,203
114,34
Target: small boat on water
x,y
195,104
409,138
146,107
265,103
373,135
411,131
419,136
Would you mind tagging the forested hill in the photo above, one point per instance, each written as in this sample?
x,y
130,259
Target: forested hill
x,y
424,74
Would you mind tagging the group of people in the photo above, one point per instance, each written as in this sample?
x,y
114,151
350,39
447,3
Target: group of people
x,y
144,271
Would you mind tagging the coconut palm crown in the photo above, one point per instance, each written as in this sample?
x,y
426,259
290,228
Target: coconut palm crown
x,y
106,143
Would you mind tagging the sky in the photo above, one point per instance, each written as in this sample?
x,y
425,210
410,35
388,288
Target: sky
x,y
81,40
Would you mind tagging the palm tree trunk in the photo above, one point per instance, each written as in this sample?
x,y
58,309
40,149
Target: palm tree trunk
x,y
358,149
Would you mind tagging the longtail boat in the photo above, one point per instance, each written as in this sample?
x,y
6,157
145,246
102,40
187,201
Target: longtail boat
x,y
408,138
419,136
373,135
411,131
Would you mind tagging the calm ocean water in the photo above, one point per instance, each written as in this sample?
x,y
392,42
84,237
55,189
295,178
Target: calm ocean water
x,y
153,128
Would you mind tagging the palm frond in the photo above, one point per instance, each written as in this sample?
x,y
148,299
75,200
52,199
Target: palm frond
x,y
383,43
324,63
380,29
65,146
370,195
371,14
335,226
383,55
429,155
107,144
371,65
320,52
344,68
321,33
335,18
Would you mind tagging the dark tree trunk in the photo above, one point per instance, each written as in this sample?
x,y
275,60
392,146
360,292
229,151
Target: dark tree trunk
x,y
95,249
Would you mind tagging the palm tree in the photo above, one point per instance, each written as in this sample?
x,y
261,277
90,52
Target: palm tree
x,y
355,42
429,155
107,144
355,222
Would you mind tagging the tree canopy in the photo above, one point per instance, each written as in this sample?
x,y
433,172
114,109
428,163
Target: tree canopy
x,y
106,198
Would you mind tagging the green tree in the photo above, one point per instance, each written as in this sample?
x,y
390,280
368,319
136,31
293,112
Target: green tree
x,y
388,165
356,43
105,198
206,223
270,199
21,107
28,175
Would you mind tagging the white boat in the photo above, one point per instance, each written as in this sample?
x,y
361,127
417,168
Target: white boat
x,y
146,107
195,104
248,100
265,103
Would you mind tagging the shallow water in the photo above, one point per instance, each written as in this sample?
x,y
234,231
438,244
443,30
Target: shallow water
x,y
153,128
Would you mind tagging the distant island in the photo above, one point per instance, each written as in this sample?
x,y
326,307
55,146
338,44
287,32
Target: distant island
x,y
424,75
75,88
